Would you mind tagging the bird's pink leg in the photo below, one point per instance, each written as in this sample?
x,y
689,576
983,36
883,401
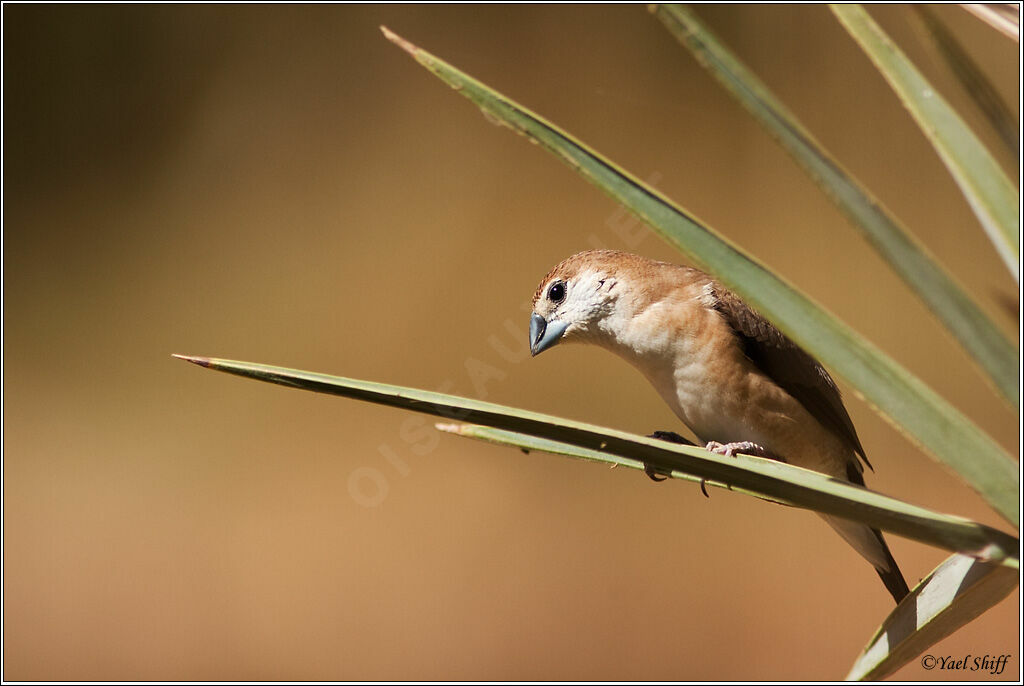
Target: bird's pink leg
x,y
726,449
744,447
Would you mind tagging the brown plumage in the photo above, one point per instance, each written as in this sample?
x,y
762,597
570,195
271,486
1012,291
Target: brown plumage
x,y
725,370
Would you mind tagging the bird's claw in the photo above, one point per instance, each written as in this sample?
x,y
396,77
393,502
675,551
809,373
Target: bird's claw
x,y
745,447
650,471
671,437
732,449
725,449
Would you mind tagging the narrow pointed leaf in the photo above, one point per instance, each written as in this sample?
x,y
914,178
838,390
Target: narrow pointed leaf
x,y
974,81
1004,17
789,484
529,443
905,255
959,590
987,189
911,405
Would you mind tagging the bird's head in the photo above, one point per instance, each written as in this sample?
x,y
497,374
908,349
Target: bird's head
x,y
574,300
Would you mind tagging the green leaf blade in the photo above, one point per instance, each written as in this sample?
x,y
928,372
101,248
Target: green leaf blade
x,y
968,323
955,593
1004,18
988,191
775,480
898,395
531,443
973,80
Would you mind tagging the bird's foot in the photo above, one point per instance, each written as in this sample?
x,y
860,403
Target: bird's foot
x,y
671,437
653,473
744,447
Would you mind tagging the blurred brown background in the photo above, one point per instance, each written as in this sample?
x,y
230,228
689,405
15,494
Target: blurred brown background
x,y
280,184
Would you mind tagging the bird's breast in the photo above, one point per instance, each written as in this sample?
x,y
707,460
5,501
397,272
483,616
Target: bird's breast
x,y
700,371
715,397
697,368
695,361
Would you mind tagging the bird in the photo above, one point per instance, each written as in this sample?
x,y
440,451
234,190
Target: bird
x,y
727,373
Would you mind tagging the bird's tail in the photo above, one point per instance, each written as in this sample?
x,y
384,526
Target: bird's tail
x,y
872,547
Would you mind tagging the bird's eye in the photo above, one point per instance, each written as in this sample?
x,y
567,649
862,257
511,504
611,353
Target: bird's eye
x,y
556,293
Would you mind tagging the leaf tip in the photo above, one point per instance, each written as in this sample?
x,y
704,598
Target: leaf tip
x,y
201,361
398,40
449,428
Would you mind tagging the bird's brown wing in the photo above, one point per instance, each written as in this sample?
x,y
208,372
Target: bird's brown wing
x,y
789,366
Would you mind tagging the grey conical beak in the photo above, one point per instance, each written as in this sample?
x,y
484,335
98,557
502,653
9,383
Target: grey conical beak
x,y
544,334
